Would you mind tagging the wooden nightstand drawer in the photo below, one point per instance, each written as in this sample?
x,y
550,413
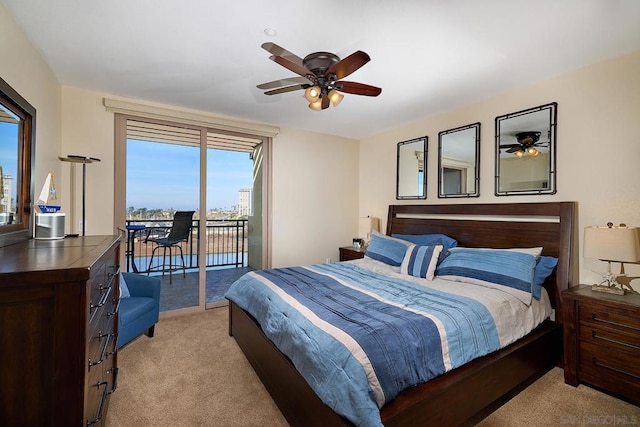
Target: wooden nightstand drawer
x,y
614,317
611,369
597,359
623,338
349,252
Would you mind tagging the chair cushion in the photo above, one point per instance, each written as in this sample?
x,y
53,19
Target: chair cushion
x,y
133,307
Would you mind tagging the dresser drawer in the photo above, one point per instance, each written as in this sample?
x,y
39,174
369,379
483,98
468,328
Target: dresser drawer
x,y
611,369
607,335
103,279
101,337
617,317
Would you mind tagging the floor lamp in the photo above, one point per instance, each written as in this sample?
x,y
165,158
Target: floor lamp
x,y
85,161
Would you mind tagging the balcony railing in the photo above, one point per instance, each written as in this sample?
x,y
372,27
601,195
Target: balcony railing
x,y
226,244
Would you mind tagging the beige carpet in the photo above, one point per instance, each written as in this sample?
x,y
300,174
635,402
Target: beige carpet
x,y
193,374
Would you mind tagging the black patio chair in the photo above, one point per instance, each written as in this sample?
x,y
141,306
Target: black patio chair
x,y
182,223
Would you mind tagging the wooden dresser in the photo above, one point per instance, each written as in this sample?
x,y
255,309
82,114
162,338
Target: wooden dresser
x,y
58,330
602,341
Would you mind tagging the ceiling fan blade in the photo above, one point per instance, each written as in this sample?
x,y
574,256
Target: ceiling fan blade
x,y
276,50
358,88
514,149
325,102
298,69
510,145
348,65
285,89
283,82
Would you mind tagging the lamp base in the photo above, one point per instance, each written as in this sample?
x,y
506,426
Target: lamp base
x,y
608,289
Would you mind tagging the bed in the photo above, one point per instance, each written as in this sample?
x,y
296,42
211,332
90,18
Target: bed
x,y
466,393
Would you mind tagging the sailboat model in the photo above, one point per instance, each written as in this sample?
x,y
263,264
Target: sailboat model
x,y
47,194
48,222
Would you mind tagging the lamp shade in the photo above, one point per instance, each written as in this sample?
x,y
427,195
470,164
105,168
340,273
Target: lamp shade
x,y
335,97
312,94
367,225
612,243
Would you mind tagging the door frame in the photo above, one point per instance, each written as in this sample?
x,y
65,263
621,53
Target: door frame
x,y
120,167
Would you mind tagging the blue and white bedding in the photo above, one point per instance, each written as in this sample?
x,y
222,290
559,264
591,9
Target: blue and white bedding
x,y
360,332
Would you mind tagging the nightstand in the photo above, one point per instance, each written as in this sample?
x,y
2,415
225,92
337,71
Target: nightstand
x,y
602,341
349,252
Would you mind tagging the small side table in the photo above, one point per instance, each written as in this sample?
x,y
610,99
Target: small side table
x,y
602,341
349,252
131,245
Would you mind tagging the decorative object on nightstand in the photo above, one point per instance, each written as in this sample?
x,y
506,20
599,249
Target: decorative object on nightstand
x,y
366,226
602,341
612,244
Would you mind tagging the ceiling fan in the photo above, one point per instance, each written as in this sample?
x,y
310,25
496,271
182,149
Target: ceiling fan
x,y
527,143
321,75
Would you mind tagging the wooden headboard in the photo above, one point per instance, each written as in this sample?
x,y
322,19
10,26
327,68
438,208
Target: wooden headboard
x,y
502,225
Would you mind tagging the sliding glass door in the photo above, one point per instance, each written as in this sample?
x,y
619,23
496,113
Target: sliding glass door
x,y
215,174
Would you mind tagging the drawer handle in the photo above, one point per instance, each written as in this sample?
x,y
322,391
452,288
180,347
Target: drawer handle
x,y
115,379
115,270
597,363
115,310
595,318
103,300
103,353
595,335
102,400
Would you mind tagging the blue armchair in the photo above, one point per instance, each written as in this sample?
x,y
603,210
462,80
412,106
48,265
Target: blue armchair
x,y
139,306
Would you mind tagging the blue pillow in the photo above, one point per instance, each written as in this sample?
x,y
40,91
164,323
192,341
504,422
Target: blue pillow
x,y
124,289
544,268
421,261
428,239
386,249
508,270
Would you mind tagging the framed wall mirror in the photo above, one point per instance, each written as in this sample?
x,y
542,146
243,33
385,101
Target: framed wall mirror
x,y
459,162
526,151
411,176
17,152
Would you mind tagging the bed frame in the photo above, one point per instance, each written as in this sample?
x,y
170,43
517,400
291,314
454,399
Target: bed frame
x,y
469,393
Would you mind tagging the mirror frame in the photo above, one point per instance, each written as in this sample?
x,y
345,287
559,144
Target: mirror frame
x,y
22,230
552,125
476,192
425,142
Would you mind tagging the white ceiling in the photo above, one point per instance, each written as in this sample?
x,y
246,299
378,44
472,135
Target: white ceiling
x,y
428,56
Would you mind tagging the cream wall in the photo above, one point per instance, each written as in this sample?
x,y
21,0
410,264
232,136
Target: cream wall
x,y
23,68
88,130
598,148
315,196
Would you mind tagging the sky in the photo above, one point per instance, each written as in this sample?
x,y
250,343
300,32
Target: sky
x,y
8,148
164,176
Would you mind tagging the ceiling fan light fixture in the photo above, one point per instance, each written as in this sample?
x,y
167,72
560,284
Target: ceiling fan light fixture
x,y
335,97
312,94
316,106
531,151
519,153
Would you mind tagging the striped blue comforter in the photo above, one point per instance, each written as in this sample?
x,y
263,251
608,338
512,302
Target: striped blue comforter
x,y
358,337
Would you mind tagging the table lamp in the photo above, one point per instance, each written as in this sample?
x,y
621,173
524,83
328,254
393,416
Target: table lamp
x,y
612,244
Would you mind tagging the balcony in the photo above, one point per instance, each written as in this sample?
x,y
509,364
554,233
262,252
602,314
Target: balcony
x,y
226,259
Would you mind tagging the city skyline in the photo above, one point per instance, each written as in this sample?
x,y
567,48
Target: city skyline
x,y
166,176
